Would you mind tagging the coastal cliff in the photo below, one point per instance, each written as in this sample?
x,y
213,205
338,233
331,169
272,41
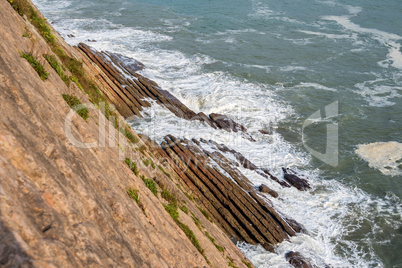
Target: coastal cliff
x,y
83,189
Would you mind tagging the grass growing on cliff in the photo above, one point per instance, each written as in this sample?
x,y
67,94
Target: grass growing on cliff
x,y
249,265
172,210
150,184
132,166
149,162
205,214
197,221
164,172
58,68
133,193
23,7
221,249
131,137
171,198
76,105
184,209
38,67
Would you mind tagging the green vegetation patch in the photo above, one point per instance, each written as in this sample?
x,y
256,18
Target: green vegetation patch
x,y
132,166
130,137
221,249
249,265
38,67
171,198
133,193
150,184
149,162
197,221
171,208
189,197
205,214
164,172
58,68
184,209
73,102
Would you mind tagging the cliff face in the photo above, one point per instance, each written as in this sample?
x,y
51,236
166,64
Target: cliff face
x,y
66,206
88,191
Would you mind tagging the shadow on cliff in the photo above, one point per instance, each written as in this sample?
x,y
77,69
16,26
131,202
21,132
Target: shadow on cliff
x,y
11,252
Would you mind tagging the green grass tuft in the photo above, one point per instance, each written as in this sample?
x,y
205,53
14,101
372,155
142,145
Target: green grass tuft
x,y
58,68
205,214
184,209
221,249
249,265
172,210
73,102
168,196
197,221
132,166
133,194
130,137
164,172
149,162
150,184
38,67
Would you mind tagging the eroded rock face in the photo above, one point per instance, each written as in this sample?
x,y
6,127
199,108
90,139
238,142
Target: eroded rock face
x,y
63,205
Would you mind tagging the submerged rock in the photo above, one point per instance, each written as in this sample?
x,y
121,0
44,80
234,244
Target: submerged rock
x,y
299,183
297,260
265,189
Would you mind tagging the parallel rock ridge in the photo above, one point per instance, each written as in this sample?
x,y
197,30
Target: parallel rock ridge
x,y
134,91
213,180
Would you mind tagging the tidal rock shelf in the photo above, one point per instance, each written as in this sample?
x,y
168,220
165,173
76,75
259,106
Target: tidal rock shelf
x,y
133,91
213,180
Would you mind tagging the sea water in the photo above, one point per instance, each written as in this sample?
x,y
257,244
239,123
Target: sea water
x,y
277,65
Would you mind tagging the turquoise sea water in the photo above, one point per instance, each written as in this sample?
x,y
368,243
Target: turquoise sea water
x,y
271,65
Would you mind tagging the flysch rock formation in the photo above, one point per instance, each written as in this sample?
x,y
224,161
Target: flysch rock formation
x,y
64,188
66,206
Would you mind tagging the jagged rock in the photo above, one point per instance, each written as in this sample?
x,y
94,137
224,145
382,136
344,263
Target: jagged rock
x,y
299,183
265,189
295,225
263,131
245,213
226,123
71,35
297,260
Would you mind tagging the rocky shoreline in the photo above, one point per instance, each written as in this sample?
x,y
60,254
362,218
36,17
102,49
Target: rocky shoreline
x,y
63,205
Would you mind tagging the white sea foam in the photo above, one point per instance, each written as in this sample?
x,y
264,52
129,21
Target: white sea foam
x,y
292,68
384,156
377,94
330,36
389,40
315,85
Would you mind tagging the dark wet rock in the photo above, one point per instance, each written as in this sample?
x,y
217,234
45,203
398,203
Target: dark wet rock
x,y
227,195
265,189
226,123
71,35
294,180
263,131
297,260
91,40
295,225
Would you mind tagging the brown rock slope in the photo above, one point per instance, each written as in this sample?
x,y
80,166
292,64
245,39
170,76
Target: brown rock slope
x,y
63,205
